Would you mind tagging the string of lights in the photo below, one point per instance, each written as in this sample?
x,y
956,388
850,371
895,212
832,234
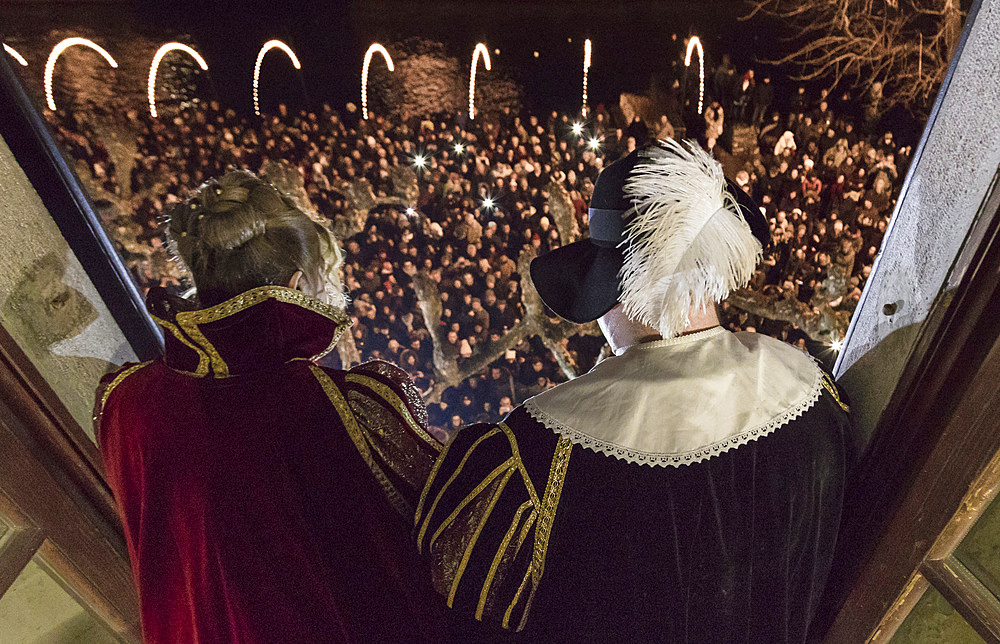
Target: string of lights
x,y
13,52
269,45
57,51
480,50
155,65
586,71
694,43
364,74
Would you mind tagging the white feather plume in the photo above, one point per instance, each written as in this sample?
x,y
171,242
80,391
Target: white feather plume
x,y
687,246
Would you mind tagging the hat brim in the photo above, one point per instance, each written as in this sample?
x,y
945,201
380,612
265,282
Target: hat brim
x,y
579,281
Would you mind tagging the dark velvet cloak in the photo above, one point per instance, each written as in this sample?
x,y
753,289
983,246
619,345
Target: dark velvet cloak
x,y
543,540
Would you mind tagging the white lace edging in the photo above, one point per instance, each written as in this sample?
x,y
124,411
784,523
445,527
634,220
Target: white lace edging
x,y
677,459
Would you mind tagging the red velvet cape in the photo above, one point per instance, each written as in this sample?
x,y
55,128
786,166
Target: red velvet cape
x,y
265,498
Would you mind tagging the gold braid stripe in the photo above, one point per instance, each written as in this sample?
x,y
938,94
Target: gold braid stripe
x,y
357,436
427,485
830,386
475,535
520,464
202,368
451,479
396,403
507,466
499,557
543,529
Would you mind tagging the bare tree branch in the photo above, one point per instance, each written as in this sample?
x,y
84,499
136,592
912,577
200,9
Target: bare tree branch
x,y
863,42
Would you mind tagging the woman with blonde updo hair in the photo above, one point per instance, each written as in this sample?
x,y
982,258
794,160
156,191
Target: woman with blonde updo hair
x,y
239,233
265,498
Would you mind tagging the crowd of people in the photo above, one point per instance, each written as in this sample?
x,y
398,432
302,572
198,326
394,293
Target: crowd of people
x,y
827,186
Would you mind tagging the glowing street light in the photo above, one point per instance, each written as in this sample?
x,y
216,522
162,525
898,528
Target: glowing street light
x,y
50,64
586,71
155,65
364,73
695,42
479,51
13,52
268,46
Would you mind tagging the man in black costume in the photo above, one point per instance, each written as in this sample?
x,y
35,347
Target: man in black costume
x,y
688,489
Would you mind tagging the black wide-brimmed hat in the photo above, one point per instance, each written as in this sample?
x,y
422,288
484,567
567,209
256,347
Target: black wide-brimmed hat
x,y
581,281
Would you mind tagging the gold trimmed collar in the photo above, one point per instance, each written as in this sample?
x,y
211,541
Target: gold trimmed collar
x,y
202,330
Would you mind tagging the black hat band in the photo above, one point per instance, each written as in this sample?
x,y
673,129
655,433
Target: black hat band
x,y
607,226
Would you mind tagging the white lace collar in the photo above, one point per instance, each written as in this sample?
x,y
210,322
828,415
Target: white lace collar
x,y
683,400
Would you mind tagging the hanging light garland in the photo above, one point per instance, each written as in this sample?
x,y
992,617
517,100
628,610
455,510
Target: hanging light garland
x,y
57,51
586,70
364,74
155,65
480,50
13,52
269,45
695,42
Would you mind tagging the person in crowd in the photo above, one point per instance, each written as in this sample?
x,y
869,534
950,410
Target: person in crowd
x,y
614,507
265,498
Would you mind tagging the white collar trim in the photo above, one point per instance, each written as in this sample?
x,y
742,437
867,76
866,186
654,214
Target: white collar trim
x,y
683,400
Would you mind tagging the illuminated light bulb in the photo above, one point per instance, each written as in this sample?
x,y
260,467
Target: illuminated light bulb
x,y
410,211
364,73
535,54
837,345
479,51
458,148
13,52
420,161
594,143
586,72
488,203
578,128
268,46
497,51
695,42
50,64
155,65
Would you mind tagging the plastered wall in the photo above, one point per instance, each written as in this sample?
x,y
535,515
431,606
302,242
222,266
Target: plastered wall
x,y
943,194
47,302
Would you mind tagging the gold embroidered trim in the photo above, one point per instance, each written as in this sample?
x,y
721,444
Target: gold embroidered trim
x,y
520,464
358,438
427,486
546,516
484,595
202,368
189,320
451,479
114,383
475,535
831,386
396,403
